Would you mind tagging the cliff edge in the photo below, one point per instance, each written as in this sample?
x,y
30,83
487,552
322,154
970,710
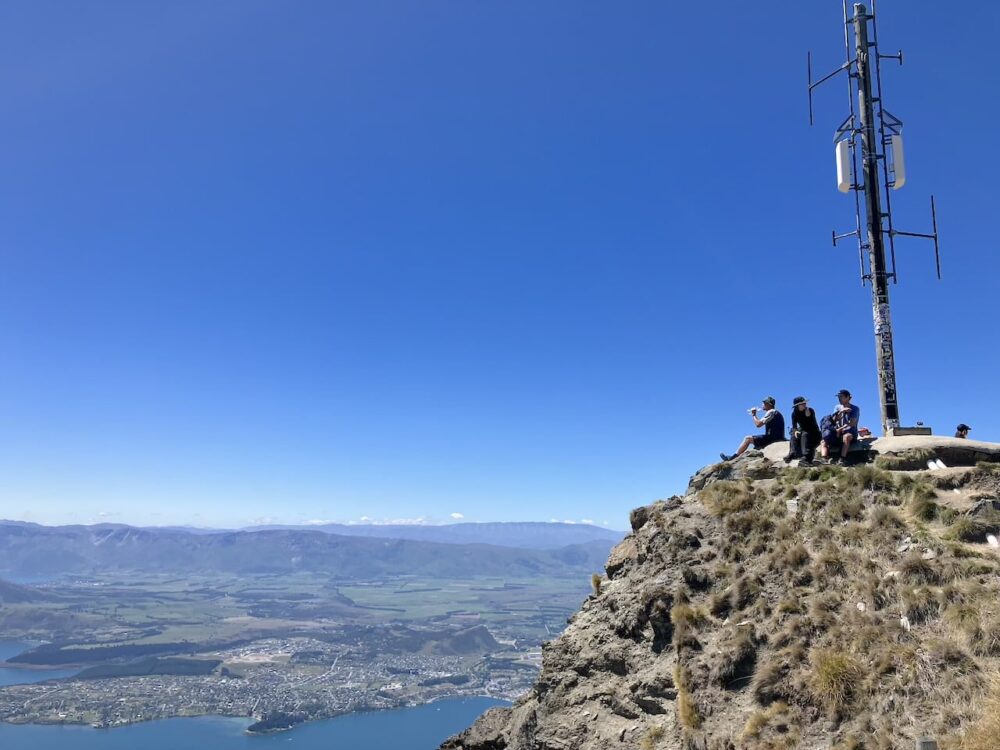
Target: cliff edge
x,y
785,607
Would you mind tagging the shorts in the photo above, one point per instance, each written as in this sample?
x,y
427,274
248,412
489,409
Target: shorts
x,y
762,441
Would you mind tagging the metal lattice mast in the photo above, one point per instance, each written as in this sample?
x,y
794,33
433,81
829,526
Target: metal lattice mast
x,y
869,150
873,223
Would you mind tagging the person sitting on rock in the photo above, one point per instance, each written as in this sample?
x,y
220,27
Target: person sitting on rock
x,y
844,429
804,436
774,429
962,431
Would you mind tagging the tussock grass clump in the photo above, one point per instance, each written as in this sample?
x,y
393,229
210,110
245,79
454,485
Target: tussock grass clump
x,y
911,460
985,733
884,517
868,478
697,580
687,710
913,569
776,723
726,498
685,620
595,583
985,639
919,604
829,562
652,737
835,679
823,610
744,591
970,529
736,660
922,502
795,556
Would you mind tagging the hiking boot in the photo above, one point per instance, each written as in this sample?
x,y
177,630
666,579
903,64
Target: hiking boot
x,y
724,457
788,459
807,462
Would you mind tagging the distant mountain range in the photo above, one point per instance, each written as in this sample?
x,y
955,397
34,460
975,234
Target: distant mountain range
x,y
34,550
522,535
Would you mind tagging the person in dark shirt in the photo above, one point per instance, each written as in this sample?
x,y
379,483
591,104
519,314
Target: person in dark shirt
x,y
845,429
774,429
962,431
804,435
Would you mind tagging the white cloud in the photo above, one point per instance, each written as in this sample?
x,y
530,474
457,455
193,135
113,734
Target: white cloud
x,y
588,521
571,523
553,520
364,519
604,523
263,521
320,522
458,516
401,521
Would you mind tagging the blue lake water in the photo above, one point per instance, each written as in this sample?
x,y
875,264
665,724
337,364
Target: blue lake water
x,y
12,676
420,728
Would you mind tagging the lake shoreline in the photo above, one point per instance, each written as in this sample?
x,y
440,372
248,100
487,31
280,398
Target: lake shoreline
x,y
248,731
422,727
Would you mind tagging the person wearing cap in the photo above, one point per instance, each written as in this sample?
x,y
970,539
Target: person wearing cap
x,y
804,436
845,428
962,431
773,424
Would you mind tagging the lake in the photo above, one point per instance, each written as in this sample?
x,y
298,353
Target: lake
x,y
420,728
13,676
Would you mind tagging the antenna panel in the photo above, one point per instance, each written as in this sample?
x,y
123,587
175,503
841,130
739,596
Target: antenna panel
x,y
898,164
844,166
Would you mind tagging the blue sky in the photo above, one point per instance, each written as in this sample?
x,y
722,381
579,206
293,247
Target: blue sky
x,y
514,261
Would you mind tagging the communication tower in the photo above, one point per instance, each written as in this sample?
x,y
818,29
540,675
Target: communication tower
x,y
869,156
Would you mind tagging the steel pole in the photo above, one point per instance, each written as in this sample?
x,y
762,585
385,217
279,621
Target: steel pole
x,y
873,209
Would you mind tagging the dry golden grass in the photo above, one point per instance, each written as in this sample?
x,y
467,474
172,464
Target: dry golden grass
x,y
736,659
868,478
687,710
796,556
919,603
652,737
913,569
595,583
969,529
985,733
726,498
835,679
776,717
885,517
922,502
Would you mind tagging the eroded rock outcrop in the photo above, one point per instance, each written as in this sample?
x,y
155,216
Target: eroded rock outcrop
x,y
776,607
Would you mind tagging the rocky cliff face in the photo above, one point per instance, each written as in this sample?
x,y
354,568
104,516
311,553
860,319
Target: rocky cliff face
x,y
776,607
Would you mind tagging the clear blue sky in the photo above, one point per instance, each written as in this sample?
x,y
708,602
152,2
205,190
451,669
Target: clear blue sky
x,y
319,260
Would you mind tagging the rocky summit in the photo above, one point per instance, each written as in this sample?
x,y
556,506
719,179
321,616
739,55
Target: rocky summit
x,y
779,607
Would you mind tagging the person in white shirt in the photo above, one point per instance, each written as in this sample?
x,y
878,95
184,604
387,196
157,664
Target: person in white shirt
x,y
774,429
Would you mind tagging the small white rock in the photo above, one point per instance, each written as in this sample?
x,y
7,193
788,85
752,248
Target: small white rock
x,y
929,554
940,464
861,607
905,622
957,491
993,541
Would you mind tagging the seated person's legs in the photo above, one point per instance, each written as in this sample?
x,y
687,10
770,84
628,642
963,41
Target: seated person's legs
x,y
747,441
848,438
